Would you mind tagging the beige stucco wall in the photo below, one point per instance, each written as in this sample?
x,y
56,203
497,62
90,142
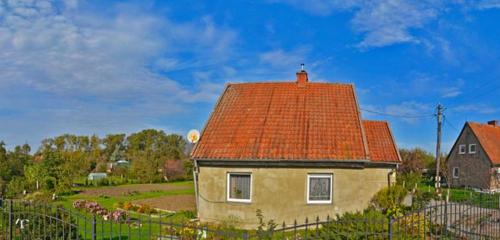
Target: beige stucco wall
x,y
281,194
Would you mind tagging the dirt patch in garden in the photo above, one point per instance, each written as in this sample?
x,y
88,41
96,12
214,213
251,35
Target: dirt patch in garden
x,y
171,203
125,190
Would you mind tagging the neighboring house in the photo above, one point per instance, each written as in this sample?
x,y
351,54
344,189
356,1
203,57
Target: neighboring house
x,y
97,176
291,149
474,160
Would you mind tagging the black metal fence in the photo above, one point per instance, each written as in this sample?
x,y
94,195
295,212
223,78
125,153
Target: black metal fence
x,y
474,218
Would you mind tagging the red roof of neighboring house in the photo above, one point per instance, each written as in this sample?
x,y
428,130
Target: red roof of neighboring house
x,y
287,121
380,141
489,138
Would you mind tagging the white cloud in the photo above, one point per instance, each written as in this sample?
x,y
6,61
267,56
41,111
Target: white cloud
x,y
54,51
408,111
101,72
280,58
488,4
476,108
451,92
389,22
321,7
382,23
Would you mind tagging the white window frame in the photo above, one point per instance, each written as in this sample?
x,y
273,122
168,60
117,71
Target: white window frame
x,y
319,175
228,188
462,147
458,172
475,148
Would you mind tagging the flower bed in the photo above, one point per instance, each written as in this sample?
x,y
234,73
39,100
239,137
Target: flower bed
x,y
141,209
95,208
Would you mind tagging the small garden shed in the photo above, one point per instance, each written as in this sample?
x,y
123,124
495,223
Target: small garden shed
x,y
97,176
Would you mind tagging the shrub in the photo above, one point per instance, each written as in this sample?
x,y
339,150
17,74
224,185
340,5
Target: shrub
x,y
348,226
15,187
39,197
265,230
145,208
187,232
389,200
188,214
413,225
410,180
49,183
422,198
128,206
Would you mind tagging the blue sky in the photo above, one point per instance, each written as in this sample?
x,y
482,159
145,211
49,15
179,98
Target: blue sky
x,y
101,67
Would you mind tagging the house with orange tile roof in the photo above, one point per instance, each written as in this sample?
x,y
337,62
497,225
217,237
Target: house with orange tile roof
x,y
291,149
474,160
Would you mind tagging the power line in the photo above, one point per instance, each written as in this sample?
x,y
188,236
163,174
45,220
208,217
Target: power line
x,y
450,124
490,90
397,115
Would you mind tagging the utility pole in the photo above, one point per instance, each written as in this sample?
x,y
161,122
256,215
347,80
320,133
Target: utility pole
x,y
439,116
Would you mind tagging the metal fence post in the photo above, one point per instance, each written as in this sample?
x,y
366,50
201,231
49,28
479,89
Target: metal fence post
x,y
94,227
498,222
390,227
445,230
11,220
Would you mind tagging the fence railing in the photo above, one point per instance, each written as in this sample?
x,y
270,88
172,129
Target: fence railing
x,y
465,219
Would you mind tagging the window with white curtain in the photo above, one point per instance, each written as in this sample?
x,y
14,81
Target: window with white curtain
x,y
239,187
319,188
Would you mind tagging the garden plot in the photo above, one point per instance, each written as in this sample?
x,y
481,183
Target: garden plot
x,y
123,190
171,203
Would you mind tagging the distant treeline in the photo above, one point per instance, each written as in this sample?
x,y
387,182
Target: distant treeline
x,y
61,161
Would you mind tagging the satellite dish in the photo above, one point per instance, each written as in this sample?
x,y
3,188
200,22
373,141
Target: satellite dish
x,y
193,136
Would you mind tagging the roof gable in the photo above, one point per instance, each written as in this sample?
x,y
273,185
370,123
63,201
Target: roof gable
x,y
489,138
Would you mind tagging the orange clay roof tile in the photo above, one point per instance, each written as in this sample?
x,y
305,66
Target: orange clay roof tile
x,y
287,121
380,141
489,138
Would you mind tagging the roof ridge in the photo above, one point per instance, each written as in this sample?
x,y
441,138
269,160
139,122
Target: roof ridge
x,y
289,82
483,124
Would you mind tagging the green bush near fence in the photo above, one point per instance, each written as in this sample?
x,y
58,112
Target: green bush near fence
x,y
369,224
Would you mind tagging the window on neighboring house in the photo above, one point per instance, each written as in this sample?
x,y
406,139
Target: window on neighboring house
x,y
239,187
461,149
456,172
472,148
319,188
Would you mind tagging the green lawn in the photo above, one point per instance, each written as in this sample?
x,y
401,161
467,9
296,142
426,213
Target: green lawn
x,y
143,226
485,200
108,201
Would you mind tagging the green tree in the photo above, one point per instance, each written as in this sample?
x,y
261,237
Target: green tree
x,y
15,187
415,160
149,149
35,176
114,146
